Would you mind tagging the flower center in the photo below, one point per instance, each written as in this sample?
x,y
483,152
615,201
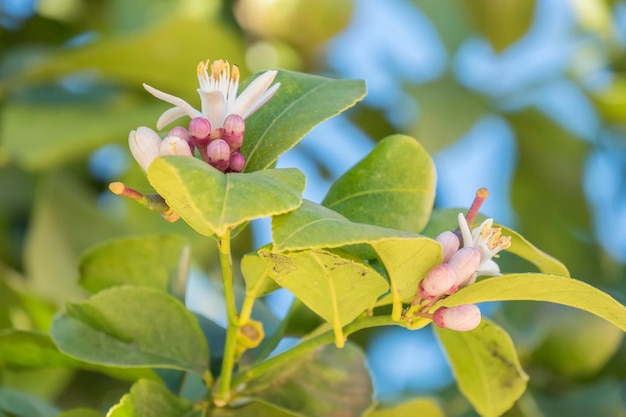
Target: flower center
x,y
218,76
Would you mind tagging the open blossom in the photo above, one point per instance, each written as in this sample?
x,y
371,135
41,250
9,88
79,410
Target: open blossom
x,y
488,240
218,94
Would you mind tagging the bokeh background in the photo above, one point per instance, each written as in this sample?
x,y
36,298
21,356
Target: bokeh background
x,y
526,98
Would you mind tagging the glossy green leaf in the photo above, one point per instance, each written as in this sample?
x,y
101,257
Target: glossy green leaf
x,y
21,348
325,382
212,202
116,327
422,407
486,367
149,398
81,412
393,186
406,262
159,262
255,274
543,287
336,287
301,102
19,404
446,219
315,226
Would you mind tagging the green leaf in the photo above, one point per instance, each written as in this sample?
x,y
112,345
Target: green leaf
x,y
422,407
542,287
255,274
406,262
325,382
336,287
301,102
446,219
159,262
212,202
253,409
19,404
149,398
393,186
81,412
21,348
486,367
129,326
314,226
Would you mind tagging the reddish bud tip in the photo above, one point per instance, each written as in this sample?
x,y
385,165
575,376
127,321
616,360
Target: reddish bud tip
x,y
218,154
450,243
461,318
233,131
237,162
180,132
440,279
200,131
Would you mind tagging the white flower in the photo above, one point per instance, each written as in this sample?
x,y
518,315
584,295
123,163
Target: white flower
x,y
145,145
488,240
218,94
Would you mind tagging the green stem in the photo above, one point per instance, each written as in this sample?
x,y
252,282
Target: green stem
x,y
325,338
222,396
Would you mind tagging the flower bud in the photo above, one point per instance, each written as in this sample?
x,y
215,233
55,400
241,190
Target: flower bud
x,y
465,262
200,131
173,145
218,154
450,243
233,131
237,162
461,318
180,132
144,145
439,280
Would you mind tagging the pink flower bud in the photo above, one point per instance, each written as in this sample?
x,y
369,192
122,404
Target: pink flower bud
x,y
218,153
180,132
144,145
450,243
234,128
465,262
237,162
173,145
200,131
439,280
461,318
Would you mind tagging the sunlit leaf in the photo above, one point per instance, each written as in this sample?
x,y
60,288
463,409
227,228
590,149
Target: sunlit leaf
x,y
255,274
325,382
253,409
21,348
486,367
159,262
423,407
393,186
81,412
302,101
116,327
337,287
149,398
212,202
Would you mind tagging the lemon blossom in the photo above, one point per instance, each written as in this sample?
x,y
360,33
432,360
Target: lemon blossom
x,y
218,94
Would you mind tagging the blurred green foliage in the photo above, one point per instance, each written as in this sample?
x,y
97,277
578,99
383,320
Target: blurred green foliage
x,y
70,82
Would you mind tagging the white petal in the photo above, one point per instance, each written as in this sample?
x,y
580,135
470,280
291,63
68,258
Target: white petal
x,y
465,232
176,101
253,93
144,145
173,145
261,101
172,114
488,267
213,107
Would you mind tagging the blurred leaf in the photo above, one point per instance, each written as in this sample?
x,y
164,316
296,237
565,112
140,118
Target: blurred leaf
x,y
542,287
301,102
211,202
450,20
597,399
159,262
547,192
19,404
81,412
153,56
447,112
393,186
20,348
149,398
335,286
315,383
578,345
255,273
116,327
65,132
253,409
485,366
422,407
314,226
611,101
501,22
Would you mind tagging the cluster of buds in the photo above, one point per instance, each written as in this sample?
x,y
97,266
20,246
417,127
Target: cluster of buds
x,y
467,254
